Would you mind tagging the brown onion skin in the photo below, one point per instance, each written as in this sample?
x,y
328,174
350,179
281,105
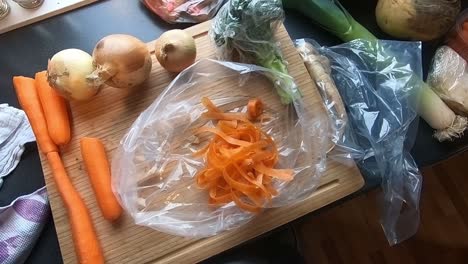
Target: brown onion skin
x,y
122,61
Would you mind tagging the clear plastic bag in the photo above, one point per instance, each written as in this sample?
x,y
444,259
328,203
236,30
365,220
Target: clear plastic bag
x,y
153,170
448,77
319,69
244,31
184,11
376,81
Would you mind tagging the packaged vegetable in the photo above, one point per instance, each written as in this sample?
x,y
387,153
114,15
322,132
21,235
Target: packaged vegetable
x,y
333,17
448,77
155,168
244,31
377,93
184,11
319,70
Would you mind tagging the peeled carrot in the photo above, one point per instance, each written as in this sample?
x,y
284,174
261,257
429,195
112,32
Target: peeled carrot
x,y
55,110
87,246
97,165
29,100
240,160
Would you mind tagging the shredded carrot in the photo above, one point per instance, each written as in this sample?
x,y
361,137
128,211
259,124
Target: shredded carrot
x,y
240,159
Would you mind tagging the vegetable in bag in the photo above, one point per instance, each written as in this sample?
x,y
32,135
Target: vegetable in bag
x,y
448,77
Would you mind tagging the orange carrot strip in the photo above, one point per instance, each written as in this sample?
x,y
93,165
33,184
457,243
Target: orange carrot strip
x,y
228,124
227,138
243,205
225,116
240,160
285,175
97,165
255,108
209,105
29,100
217,198
238,185
254,182
55,110
87,247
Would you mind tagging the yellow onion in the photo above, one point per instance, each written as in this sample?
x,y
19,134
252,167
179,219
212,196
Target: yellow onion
x,y
70,72
122,61
175,50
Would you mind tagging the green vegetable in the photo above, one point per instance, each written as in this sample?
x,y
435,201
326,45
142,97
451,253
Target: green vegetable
x,y
332,16
244,31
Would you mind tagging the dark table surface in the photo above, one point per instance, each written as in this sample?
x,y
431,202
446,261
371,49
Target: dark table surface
x,y
25,51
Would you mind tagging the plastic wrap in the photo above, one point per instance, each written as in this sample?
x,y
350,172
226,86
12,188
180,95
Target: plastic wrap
x,y
244,30
319,70
376,81
184,11
448,77
154,168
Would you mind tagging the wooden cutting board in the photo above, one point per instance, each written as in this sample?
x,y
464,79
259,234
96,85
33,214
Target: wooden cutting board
x,y
109,115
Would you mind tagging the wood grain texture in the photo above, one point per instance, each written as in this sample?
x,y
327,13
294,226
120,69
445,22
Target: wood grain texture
x,y
351,233
109,115
20,17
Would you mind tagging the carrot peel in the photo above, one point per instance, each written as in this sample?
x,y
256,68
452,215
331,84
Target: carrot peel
x,y
240,160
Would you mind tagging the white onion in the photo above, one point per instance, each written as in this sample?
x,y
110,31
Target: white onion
x,y
175,50
70,72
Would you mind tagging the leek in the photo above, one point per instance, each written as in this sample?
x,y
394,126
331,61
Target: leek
x,y
333,17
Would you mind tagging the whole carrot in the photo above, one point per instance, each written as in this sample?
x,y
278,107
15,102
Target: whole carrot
x,y
97,165
29,100
87,247
55,110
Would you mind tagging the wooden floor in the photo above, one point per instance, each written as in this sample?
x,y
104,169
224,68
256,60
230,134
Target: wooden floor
x,y
350,233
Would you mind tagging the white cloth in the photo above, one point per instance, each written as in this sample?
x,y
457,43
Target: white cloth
x,y
15,131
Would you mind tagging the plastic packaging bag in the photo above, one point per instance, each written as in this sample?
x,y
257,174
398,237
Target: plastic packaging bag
x,y
376,81
154,168
319,70
244,31
449,79
184,11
